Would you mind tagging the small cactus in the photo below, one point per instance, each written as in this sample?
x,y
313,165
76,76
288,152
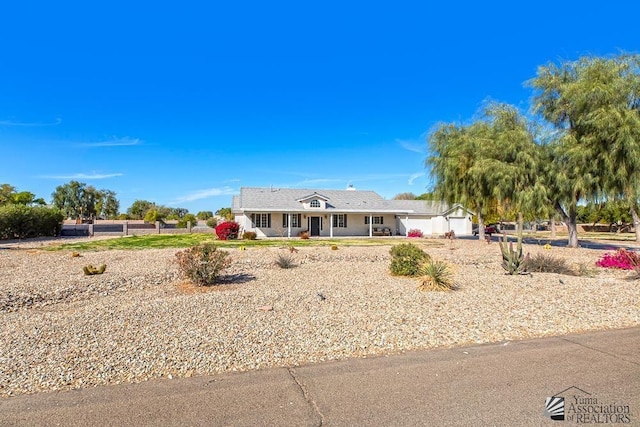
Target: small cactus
x,y
75,254
334,247
90,270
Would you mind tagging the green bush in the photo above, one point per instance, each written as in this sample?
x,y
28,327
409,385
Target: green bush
x,y
21,222
407,259
249,235
182,223
212,222
202,264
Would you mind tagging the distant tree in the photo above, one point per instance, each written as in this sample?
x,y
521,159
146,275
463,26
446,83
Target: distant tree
x,y
204,215
9,195
6,193
182,223
179,212
404,196
154,215
108,205
426,196
139,209
76,200
225,213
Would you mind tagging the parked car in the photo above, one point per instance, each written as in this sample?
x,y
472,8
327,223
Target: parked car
x,y
488,230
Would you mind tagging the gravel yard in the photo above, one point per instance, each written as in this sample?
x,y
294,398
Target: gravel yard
x,y
139,320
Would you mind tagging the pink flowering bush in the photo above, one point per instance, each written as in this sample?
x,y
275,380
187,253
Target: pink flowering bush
x,y
621,259
414,233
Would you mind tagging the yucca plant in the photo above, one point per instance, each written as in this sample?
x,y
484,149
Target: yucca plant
x,y
436,276
513,261
285,261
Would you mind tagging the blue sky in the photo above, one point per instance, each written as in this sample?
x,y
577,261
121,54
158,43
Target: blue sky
x,y
183,103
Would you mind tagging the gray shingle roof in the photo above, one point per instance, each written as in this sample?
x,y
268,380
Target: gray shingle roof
x,y
261,199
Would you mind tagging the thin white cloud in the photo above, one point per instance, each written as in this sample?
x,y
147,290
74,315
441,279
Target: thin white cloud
x,y
204,194
415,176
116,142
86,176
30,124
412,145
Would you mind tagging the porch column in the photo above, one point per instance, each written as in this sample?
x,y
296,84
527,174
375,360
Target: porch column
x,y
370,225
289,226
406,227
331,225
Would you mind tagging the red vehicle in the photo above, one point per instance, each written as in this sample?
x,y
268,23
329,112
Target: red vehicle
x,y
488,230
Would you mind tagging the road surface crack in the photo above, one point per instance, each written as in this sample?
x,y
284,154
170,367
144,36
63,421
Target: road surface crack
x,y
307,395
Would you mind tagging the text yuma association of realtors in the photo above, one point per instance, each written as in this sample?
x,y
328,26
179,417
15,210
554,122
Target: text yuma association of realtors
x,y
589,410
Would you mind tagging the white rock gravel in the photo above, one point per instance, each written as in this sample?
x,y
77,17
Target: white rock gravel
x,y
139,320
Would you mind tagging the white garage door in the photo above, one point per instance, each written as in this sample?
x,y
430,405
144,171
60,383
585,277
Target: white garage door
x,y
458,225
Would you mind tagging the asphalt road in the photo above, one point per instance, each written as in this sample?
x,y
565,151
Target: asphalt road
x,y
502,384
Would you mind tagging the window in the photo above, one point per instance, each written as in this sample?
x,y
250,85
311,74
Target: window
x,y
376,220
296,220
261,220
315,203
340,220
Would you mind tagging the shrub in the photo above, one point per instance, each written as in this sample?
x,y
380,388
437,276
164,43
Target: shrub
x,y
304,235
406,259
436,276
414,232
202,264
249,235
21,222
285,261
228,230
544,263
334,247
621,259
212,222
182,222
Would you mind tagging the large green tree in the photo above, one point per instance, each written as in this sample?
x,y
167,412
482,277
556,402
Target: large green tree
x,y
594,105
79,200
494,159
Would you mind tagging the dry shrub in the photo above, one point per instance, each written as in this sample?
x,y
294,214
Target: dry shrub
x,y
546,263
202,264
285,261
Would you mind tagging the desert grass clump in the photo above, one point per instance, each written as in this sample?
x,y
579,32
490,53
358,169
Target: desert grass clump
x,y
202,264
90,270
334,247
249,235
407,259
285,261
436,276
545,263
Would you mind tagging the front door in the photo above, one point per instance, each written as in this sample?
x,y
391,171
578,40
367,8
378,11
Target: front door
x,y
315,225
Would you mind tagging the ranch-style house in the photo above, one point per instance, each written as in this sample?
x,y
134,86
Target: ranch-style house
x,y
285,212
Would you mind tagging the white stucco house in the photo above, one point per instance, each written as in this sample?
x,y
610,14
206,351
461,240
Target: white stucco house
x,y
273,212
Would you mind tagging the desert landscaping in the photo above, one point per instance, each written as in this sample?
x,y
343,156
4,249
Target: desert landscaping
x,y
141,320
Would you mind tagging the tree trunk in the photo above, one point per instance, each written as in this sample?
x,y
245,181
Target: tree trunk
x,y
554,232
636,221
480,225
570,219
